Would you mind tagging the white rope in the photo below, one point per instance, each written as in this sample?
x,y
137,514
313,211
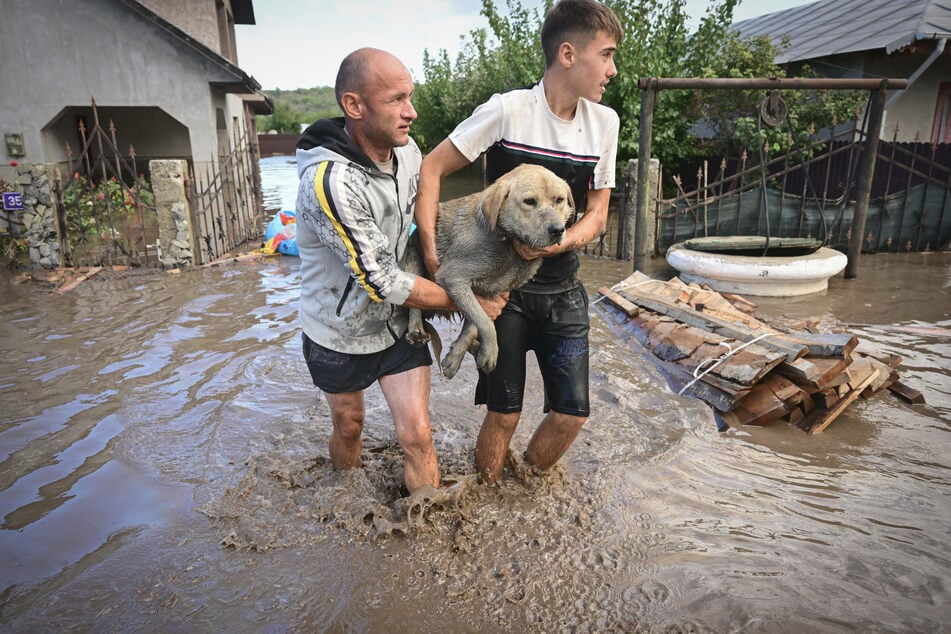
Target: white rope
x,y
621,286
726,355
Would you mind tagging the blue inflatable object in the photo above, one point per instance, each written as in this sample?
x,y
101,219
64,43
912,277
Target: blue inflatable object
x,y
280,235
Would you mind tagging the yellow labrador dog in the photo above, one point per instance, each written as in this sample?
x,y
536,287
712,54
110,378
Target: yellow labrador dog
x,y
474,237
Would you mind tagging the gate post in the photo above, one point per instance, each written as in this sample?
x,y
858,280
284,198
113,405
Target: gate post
x,y
39,215
646,125
176,241
641,233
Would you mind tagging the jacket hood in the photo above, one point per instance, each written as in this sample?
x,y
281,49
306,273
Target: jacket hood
x,y
327,139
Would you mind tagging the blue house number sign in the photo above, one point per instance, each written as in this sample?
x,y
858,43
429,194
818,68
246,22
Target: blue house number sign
x,y
12,201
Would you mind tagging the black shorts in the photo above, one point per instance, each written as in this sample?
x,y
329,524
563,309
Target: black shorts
x,y
554,326
336,372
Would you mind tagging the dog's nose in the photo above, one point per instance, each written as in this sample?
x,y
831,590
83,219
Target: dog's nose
x,y
555,232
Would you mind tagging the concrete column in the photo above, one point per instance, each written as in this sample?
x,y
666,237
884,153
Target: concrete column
x,y
176,240
645,224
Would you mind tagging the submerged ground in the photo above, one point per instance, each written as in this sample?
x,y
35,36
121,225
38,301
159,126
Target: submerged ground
x,y
163,468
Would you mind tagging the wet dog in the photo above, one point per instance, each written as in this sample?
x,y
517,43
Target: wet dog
x,y
474,237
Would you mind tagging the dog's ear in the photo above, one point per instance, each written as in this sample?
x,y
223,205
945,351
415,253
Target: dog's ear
x,y
492,200
571,199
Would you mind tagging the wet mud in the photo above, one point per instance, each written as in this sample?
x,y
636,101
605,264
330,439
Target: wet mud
x,y
163,467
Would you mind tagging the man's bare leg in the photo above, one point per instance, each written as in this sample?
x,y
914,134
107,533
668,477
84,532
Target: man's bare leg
x,y
552,439
493,444
346,439
407,394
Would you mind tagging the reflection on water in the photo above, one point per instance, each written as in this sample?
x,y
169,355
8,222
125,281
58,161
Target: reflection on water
x,y
163,467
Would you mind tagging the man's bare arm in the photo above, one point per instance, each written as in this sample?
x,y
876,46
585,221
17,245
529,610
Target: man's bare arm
x,y
441,162
428,295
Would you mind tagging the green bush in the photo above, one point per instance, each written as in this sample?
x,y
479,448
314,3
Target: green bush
x,y
88,205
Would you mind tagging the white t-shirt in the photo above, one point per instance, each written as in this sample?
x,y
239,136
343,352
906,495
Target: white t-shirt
x,y
524,127
518,127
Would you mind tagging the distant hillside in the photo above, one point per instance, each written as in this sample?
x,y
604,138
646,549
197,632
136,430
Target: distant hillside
x,y
294,107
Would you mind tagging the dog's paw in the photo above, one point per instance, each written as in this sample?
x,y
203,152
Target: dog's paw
x,y
417,336
486,358
450,365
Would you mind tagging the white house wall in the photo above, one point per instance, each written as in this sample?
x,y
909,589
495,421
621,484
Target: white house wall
x,y
59,53
913,111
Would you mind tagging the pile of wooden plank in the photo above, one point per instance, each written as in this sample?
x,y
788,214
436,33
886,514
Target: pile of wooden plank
x,y
711,346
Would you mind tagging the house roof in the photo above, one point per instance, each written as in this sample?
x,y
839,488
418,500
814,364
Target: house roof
x,y
243,11
831,27
233,79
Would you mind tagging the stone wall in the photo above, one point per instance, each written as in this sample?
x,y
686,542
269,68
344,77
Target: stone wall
x,y
176,238
37,222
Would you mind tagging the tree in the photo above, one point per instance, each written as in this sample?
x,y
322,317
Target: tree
x,y
733,115
283,120
657,43
452,90
299,106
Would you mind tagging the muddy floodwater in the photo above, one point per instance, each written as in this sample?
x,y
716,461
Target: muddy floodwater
x,y
163,467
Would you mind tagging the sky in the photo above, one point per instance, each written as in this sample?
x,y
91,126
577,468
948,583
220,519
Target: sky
x,y
300,43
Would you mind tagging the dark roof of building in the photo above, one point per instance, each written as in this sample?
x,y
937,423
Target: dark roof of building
x,y
243,11
831,27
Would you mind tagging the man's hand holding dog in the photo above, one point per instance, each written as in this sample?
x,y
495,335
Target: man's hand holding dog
x,y
528,252
493,305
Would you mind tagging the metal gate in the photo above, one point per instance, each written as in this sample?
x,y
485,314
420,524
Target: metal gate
x,y
225,199
105,210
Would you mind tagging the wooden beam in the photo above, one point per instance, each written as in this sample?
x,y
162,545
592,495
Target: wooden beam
x,y
906,393
824,344
800,370
619,301
819,419
618,321
79,280
719,326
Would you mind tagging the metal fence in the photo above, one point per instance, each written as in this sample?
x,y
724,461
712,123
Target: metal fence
x,y
224,198
810,193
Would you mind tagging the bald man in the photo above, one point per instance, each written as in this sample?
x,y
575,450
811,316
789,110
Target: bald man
x,y
358,179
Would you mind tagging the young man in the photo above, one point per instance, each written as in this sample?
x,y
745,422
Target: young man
x,y
359,176
559,124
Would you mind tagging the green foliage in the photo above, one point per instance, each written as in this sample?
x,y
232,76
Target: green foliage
x,y
283,120
89,205
657,43
295,107
733,115
452,90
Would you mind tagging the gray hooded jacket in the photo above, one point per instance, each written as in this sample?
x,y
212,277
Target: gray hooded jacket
x,y
353,225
